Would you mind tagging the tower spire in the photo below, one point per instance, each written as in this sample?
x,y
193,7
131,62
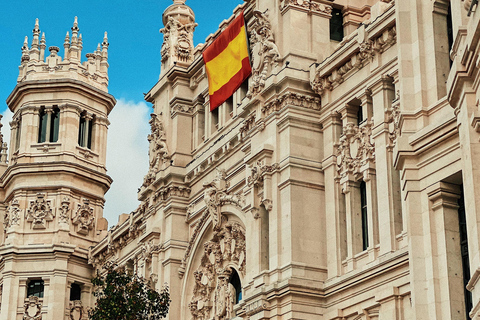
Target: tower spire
x,y
104,62
34,51
43,45
66,46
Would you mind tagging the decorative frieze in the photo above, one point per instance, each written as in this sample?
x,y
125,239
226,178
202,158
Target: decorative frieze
x,y
292,99
306,5
84,217
265,55
364,54
39,212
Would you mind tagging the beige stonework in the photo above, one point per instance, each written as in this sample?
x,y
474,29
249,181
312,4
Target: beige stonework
x,y
338,182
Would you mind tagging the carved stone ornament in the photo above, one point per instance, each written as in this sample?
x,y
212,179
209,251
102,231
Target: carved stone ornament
x,y
393,120
363,56
215,196
64,216
292,99
84,217
39,212
265,54
77,311
213,294
259,170
158,150
147,250
12,215
177,40
355,149
32,309
307,5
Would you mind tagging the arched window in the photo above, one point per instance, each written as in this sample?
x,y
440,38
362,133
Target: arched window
x,y
235,281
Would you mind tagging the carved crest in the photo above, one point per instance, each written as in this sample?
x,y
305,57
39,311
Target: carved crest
x,y
265,54
63,216
177,40
39,212
77,311
32,309
84,217
356,149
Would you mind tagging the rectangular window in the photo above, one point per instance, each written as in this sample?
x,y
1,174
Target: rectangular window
x,y
35,288
54,125
81,132
85,130
75,292
336,25
363,202
42,128
464,252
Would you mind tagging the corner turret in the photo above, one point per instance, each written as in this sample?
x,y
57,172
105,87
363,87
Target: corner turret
x,y
177,47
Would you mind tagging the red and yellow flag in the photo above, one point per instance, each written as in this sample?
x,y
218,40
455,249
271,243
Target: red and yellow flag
x,y
227,62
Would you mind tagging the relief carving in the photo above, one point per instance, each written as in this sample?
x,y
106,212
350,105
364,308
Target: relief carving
x,y
355,149
158,151
256,179
215,196
39,212
365,54
63,216
84,217
32,309
265,54
77,311
177,40
12,215
212,290
393,119
292,99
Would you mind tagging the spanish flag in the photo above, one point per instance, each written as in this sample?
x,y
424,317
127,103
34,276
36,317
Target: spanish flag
x,y
227,62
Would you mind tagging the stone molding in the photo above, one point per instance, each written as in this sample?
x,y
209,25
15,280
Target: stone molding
x,y
310,6
327,78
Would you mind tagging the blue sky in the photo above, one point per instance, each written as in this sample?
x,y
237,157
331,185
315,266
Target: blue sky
x,y
134,58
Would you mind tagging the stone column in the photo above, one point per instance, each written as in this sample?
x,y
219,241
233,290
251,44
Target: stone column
x,y
389,205
335,220
446,294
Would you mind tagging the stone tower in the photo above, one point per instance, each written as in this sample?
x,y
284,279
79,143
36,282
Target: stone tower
x,y
53,188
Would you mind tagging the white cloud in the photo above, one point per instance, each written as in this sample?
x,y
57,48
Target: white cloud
x,y
127,156
7,117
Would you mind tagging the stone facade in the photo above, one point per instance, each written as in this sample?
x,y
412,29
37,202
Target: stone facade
x,y
338,182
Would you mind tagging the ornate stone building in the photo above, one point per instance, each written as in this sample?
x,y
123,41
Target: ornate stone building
x,y
340,181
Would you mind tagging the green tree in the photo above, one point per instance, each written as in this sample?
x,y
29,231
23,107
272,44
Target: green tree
x,y
125,296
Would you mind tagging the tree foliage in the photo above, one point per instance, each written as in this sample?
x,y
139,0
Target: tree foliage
x,y
125,296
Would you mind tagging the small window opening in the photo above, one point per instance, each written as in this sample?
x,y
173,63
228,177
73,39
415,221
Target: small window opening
x,y
360,118
363,203
336,25
85,130
235,281
35,288
229,107
462,221
75,292
449,32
